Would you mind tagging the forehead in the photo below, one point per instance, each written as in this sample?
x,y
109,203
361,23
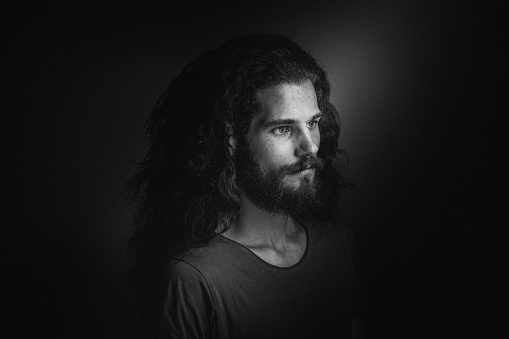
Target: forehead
x,y
286,101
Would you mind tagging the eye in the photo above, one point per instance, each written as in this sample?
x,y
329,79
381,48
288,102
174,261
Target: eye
x,y
312,124
281,130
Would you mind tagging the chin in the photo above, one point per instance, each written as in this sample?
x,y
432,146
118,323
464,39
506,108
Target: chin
x,y
303,178
299,183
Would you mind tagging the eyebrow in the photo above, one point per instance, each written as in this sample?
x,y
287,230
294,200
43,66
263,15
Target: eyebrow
x,y
279,122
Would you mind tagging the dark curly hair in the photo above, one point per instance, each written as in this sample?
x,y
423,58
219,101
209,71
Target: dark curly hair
x,y
185,190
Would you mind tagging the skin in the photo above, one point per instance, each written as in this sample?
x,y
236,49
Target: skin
x,y
285,131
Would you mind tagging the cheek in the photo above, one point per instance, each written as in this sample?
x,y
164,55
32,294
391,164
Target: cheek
x,y
269,154
316,138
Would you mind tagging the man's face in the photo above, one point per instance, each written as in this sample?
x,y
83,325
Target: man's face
x,y
277,167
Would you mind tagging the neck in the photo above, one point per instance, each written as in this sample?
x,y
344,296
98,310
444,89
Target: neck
x,y
257,228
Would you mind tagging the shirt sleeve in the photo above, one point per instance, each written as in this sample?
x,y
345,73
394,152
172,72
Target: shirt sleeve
x,y
179,305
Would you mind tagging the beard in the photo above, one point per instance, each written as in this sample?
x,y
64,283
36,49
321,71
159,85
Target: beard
x,y
270,193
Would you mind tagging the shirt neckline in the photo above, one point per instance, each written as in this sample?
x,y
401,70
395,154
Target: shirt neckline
x,y
298,263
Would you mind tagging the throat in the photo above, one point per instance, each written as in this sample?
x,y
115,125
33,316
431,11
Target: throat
x,y
277,239
278,252
286,258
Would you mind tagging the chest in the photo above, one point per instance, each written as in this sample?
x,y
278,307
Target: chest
x,y
255,299
287,258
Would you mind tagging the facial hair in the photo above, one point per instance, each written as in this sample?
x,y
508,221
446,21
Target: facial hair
x,y
269,192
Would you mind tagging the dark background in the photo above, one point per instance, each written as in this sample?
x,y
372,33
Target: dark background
x,y
417,85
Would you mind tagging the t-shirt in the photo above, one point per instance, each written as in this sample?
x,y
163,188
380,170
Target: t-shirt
x,y
224,290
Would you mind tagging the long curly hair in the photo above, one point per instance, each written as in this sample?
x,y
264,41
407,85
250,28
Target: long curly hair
x,y
185,190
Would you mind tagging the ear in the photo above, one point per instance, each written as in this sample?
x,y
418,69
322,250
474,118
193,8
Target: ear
x,y
232,140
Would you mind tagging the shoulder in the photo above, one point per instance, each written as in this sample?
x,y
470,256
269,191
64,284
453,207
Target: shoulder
x,y
326,231
179,303
332,239
208,261
183,298
177,279
178,271
196,272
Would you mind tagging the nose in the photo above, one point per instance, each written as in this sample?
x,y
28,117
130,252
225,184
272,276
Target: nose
x,y
308,143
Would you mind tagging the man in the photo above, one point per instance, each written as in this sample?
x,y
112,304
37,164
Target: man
x,y
236,234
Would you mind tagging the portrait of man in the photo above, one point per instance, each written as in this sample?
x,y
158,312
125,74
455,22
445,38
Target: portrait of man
x,y
319,169
236,232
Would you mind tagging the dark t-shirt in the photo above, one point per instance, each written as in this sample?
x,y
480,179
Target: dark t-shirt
x,y
224,290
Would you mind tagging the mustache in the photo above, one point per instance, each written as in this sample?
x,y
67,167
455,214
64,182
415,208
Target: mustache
x,y
301,165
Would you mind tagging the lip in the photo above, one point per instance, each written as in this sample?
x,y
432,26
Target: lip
x,y
307,171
